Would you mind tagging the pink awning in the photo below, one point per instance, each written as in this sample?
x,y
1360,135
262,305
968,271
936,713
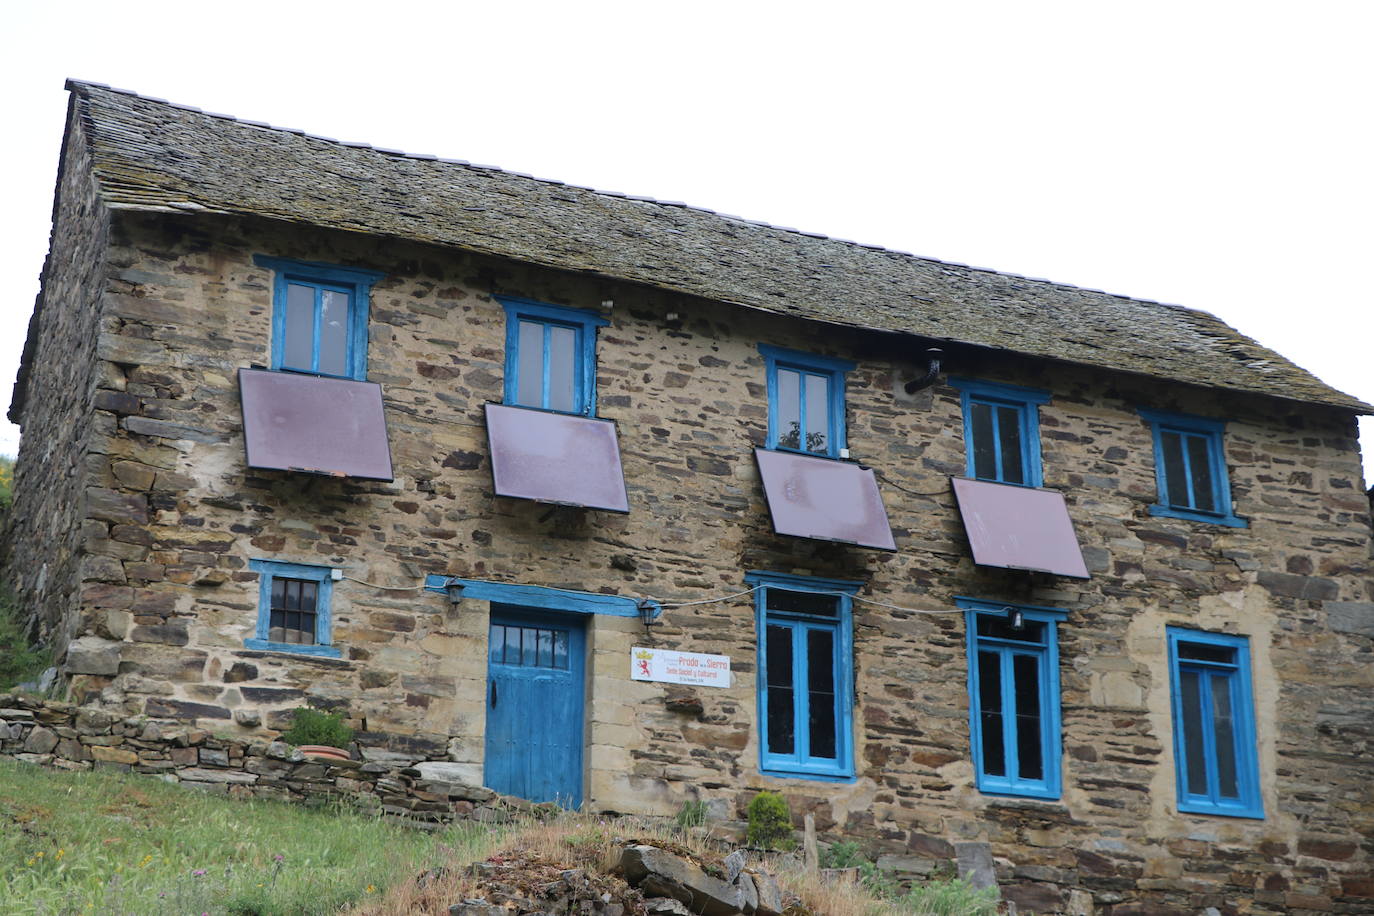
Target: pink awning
x,y
824,498
555,458
332,426
1019,528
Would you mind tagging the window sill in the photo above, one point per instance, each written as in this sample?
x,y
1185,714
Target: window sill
x,y
781,773
1253,812
1044,795
265,645
1230,521
798,451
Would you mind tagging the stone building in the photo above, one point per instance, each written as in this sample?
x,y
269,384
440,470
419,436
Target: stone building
x,y
954,556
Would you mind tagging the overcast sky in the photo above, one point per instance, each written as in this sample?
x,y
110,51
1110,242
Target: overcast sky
x,y
1214,155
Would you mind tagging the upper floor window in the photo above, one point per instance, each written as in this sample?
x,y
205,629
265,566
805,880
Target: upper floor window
x,y
1190,468
806,681
319,317
1013,677
1214,724
293,608
550,356
1002,431
805,401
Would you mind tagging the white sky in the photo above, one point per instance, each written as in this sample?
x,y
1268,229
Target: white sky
x,y
1212,154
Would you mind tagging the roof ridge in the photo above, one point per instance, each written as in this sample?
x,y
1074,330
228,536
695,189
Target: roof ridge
x,y
76,85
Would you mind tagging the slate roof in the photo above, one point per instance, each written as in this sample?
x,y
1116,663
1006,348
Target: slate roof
x,y
149,154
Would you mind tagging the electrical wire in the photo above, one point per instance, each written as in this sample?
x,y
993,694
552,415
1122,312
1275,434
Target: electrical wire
x,y
386,588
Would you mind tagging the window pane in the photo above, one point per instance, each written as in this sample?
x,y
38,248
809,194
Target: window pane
x,y
1029,754
545,638
1203,496
562,368
817,413
1194,752
789,409
1207,652
512,646
820,666
291,594
1009,433
1175,475
497,643
1000,627
560,649
1224,733
990,710
308,593
781,739
529,654
529,390
983,444
779,599
298,333
278,592
333,332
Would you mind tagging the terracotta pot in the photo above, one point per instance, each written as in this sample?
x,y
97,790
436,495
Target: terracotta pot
x,y
324,752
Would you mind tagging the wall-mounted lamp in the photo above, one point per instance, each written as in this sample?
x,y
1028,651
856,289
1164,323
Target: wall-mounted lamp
x,y
1017,620
454,589
648,613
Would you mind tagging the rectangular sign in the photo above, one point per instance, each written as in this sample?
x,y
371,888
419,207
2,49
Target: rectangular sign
x,y
679,667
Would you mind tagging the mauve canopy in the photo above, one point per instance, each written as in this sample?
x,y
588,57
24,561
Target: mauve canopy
x,y
555,458
823,498
1019,528
295,422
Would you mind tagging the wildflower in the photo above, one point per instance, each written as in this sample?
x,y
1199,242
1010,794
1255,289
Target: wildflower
x,y
198,872
41,854
278,857
60,853
372,889
30,861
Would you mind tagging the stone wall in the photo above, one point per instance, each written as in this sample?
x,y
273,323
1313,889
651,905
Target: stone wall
x,y
42,541
168,597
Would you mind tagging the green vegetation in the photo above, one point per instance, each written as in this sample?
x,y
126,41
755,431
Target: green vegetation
x,y
691,814
311,726
6,481
770,823
19,661
100,842
939,897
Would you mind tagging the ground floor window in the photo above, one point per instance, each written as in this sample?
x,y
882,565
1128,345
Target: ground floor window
x,y
1013,678
293,608
805,675
1214,724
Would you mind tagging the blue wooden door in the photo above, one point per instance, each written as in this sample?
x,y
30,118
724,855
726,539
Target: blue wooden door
x,y
534,705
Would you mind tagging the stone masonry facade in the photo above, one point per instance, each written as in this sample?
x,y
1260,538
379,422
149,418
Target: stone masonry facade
x,y
173,515
148,595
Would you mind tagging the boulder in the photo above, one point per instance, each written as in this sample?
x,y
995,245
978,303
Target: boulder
x,y
768,892
659,873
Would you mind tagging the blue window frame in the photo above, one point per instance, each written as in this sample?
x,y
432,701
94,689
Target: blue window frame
x,y
1013,686
1214,724
319,317
806,676
1190,468
1002,431
550,356
805,401
293,609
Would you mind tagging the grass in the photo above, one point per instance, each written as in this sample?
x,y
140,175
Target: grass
x,y
107,843
114,844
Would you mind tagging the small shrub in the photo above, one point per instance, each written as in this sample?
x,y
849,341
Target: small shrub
x,y
19,661
844,854
953,897
691,814
6,481
770,822
311,726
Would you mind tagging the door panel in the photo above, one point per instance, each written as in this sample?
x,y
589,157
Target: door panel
x,y
534,705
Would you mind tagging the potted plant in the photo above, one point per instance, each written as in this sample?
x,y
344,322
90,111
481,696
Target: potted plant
x,y
320,735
